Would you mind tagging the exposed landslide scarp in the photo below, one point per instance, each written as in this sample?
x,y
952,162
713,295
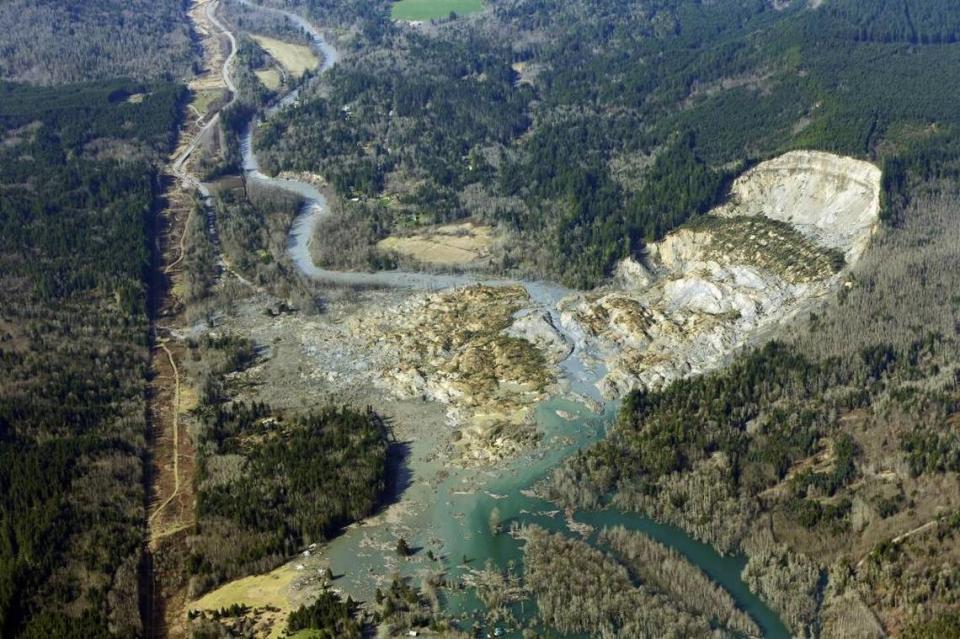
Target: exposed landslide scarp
x,y
490,353
833,200
791,226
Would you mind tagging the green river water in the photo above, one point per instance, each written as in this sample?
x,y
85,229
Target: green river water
x,y
450,517
454,523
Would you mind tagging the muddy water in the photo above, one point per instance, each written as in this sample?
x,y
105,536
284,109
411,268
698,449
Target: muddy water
x,y
445,512
453,523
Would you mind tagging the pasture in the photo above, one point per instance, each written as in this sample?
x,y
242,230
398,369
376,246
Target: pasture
x,y
295,58
448,245
257,591
412,10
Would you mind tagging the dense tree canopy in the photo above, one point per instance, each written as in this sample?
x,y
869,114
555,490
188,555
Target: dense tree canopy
x,y
78,195
546,117
56,41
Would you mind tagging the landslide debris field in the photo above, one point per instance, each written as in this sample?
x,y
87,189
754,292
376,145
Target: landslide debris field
x,y
479,358
489,353
461,318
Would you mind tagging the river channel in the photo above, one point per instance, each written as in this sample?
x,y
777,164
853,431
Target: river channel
x,y
451,508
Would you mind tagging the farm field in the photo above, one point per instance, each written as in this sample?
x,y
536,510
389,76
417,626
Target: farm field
x,y
431,9
268,592
295,58
450,244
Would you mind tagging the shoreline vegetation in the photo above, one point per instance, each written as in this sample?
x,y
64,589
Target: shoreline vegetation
x,y
668,571
579,589
777,455
269,484
829,456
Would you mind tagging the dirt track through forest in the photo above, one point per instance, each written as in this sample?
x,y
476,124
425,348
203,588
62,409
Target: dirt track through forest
x,y
176,434
182,243
171,499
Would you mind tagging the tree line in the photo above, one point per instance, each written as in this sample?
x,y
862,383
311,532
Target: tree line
x,y
718,454
269,484
727,84
79,195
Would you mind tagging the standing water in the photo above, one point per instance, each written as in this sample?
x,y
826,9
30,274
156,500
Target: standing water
x,y
453,516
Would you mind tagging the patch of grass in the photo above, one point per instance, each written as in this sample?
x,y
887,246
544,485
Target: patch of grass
x,y
257,591
432,9
204,98
295,58
269,77
449,244
769,244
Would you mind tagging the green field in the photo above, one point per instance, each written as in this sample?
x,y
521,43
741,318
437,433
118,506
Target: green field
x,y
431,9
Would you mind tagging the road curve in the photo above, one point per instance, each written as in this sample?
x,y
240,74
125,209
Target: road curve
x,y
316,208
179,163
225,69
315,205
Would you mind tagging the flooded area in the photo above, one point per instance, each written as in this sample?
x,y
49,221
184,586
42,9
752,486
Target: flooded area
x,y
444,511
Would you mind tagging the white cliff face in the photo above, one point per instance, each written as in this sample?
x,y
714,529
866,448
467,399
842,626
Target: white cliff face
x,y
492,353
781,243
831,199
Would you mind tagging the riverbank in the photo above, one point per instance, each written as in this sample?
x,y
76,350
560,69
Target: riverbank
x,y
442,509
677,314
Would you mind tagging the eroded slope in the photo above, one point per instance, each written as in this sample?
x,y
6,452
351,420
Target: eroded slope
x,y
490,353
781,242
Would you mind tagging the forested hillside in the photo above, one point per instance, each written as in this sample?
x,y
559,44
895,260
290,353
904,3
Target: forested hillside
x,y
550,119
833,443
56,41
78,189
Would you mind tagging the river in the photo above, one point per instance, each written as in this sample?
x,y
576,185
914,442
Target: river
x,y
450,508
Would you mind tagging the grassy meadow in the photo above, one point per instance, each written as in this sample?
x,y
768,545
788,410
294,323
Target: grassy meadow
x,y
295,58
432,9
